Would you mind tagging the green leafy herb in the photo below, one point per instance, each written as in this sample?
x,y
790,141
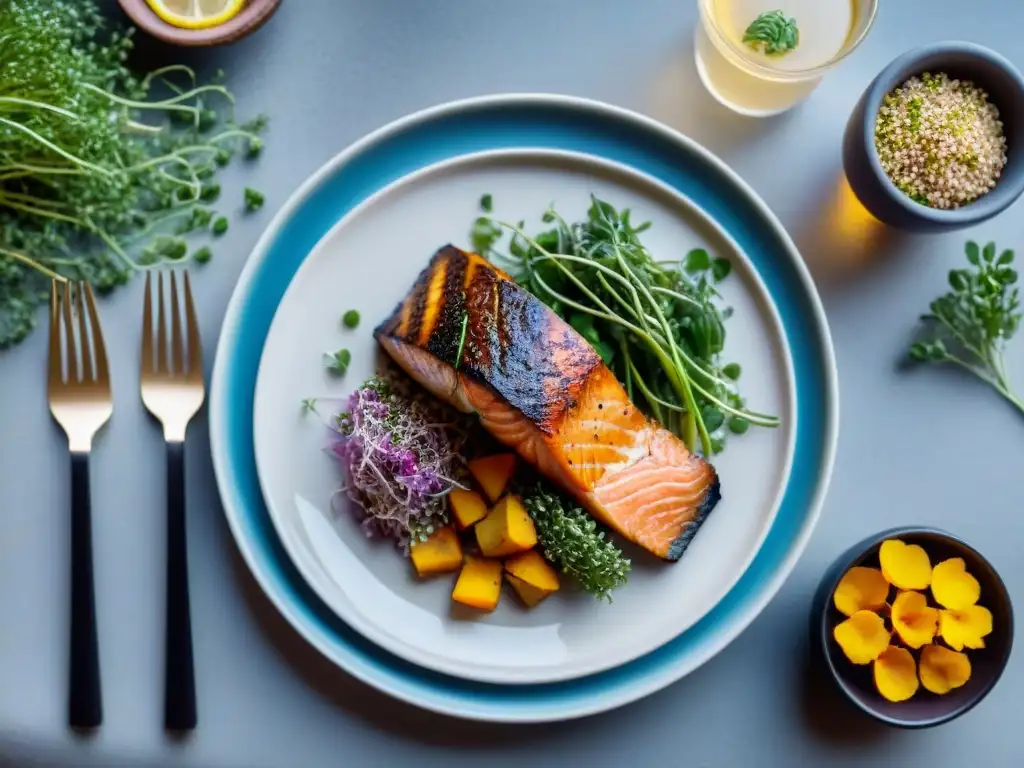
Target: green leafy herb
x,y
309,405
209,193
97,165
772,33
657,324
487,203
571,540
970,324
350,319
220,226
202,255
484,235
337,362
697,260
253,199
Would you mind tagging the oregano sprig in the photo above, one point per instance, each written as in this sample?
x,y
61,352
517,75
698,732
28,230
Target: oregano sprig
x,y
970,325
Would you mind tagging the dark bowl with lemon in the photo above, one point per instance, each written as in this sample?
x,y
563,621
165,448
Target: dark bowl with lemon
x,y
859,683
171,21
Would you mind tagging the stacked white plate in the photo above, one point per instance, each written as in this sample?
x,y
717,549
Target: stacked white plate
x,y
356,236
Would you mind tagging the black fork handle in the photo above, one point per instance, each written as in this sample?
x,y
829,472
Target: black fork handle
x,y
85,703
179,678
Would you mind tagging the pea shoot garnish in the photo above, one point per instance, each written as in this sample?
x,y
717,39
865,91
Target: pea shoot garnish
x,y
337,362
253,199
657,323
773,34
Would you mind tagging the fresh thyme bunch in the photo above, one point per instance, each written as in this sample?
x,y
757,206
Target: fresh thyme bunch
x,y
570,539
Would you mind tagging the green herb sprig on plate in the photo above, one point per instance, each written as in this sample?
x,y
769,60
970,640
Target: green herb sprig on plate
x,y
571,539
773,33
657,324
971,323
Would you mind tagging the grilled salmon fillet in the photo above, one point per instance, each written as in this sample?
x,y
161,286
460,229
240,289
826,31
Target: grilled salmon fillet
x,y
477,340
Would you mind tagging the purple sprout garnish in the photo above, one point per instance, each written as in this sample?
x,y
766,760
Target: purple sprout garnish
x,y
402,453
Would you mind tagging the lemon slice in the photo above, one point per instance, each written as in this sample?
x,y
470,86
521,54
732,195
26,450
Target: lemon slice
x,y
196,14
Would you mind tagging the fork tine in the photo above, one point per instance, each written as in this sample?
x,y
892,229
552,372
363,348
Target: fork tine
x,y
177,351
70,348
195,346
99,348
161,326
148,365
83,333
56,375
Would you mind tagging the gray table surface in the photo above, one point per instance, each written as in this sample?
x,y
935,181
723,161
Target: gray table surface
x,y
929,447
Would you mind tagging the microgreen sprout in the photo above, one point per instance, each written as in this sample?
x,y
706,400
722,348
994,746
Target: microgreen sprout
x,y
657,324
253,199
97,165
337,362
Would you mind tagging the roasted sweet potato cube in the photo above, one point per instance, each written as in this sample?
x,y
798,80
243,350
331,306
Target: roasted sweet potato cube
x,y
468,507
479,583
441,553
531,576
507,529
493,473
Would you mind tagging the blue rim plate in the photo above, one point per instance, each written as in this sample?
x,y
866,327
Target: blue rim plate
x,y
503,122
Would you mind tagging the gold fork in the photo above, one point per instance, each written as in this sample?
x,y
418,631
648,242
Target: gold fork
x,y
172,390
78,389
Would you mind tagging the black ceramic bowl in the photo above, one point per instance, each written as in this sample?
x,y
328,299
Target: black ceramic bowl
x,y
966,61
924,709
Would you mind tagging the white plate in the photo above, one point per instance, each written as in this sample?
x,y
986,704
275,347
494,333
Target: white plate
x,y
368,262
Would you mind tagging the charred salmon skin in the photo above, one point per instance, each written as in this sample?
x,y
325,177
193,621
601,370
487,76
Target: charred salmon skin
x,y
474,338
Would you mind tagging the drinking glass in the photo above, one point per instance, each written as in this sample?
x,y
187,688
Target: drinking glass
x,y
749,83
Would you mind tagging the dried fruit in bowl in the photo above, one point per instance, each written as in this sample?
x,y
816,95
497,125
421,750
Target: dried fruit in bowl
x,y
863,637
942,670
965,628
895,674
952,618
952,586
861,589
913,619
905,566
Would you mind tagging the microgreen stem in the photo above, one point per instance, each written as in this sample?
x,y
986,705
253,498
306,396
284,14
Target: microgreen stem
x,y
33,264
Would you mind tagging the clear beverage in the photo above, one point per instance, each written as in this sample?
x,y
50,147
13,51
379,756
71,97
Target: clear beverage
x,y
755,83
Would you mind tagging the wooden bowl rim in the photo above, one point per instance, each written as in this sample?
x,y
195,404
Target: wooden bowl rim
x,y
249,19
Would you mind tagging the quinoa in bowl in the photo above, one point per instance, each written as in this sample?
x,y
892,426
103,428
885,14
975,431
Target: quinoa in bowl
x,y
936,141
940,140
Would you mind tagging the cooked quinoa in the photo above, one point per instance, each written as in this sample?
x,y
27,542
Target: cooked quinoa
x,y
940,140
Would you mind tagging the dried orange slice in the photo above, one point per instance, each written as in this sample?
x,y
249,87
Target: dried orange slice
x,y
196,14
